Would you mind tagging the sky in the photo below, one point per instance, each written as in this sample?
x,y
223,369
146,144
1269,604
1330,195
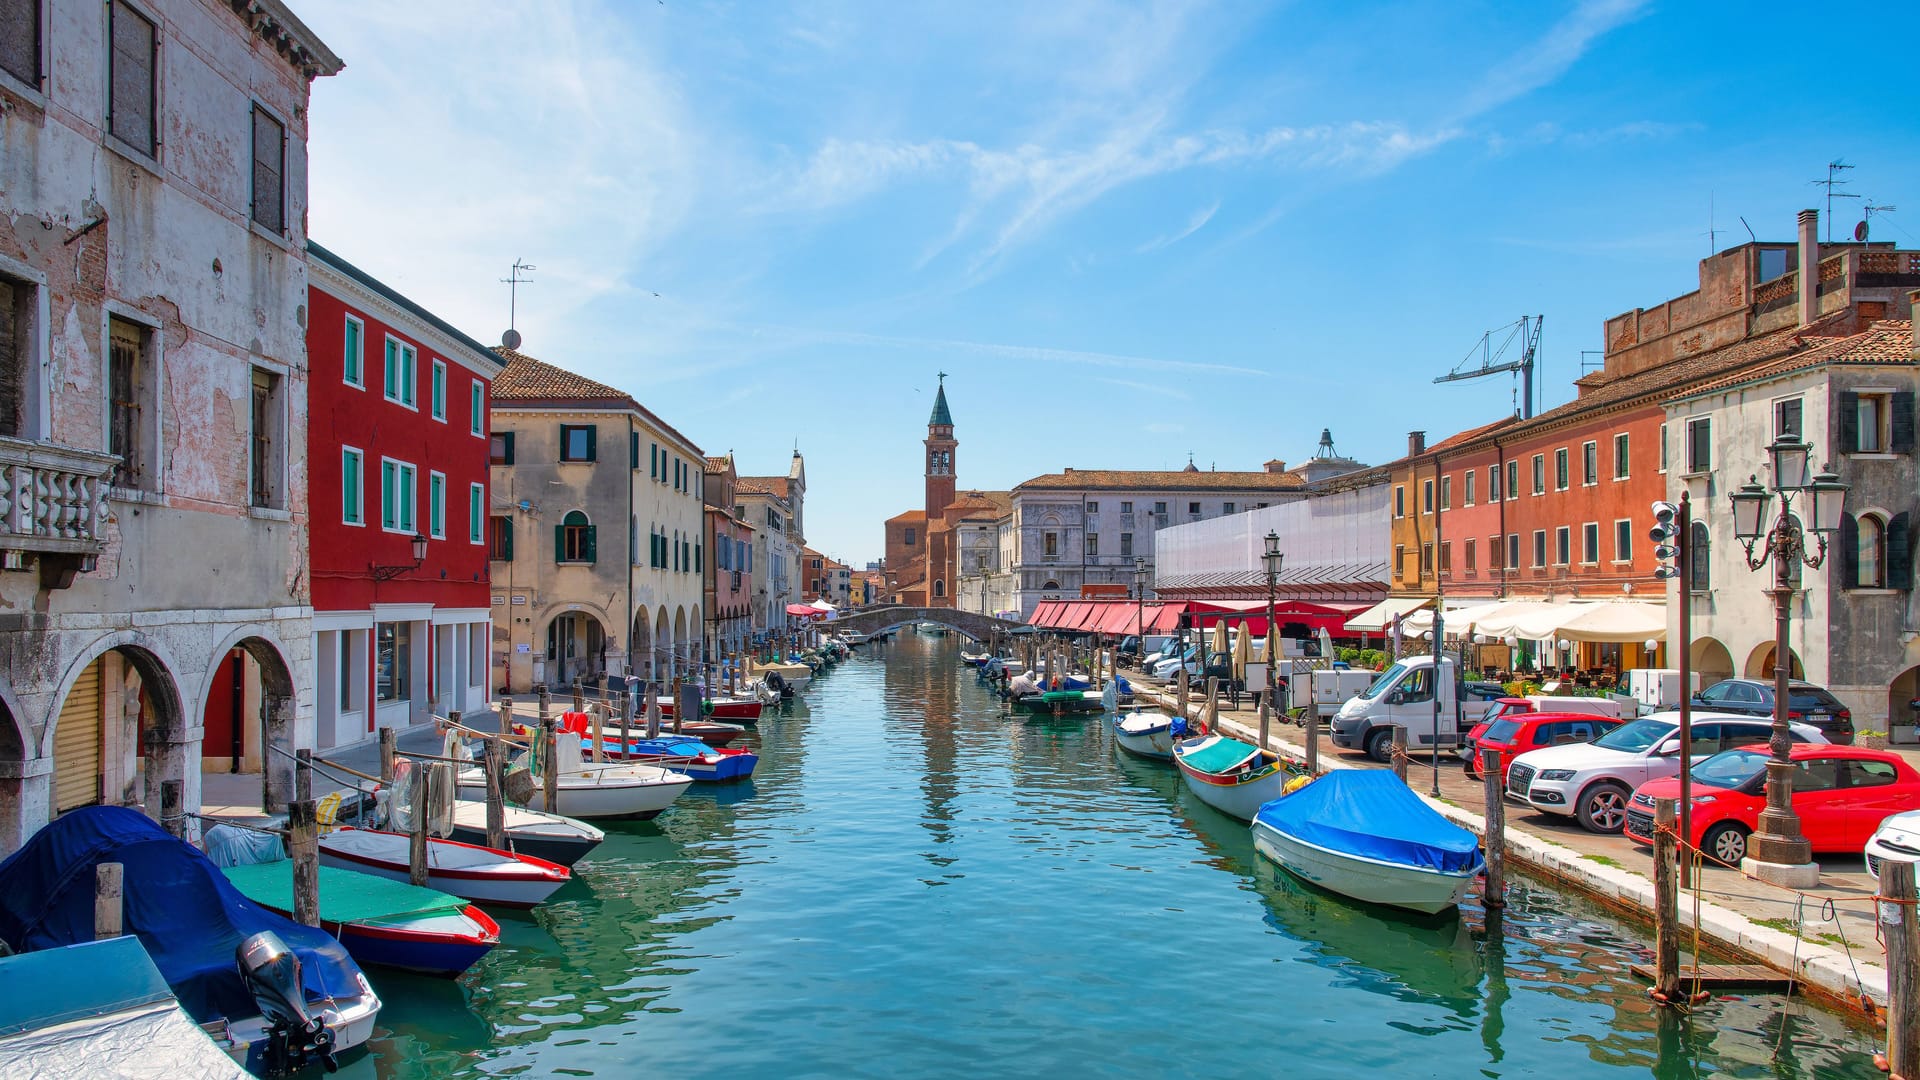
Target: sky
x,y
1128,232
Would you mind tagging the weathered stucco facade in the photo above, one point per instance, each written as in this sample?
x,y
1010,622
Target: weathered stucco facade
x,y
152,464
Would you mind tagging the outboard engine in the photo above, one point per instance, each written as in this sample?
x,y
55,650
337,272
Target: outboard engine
x,y
295,1037
778,684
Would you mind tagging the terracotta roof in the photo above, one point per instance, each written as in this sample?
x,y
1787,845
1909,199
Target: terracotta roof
x,y
911,515
775,486
527,379
1183,480
719,464
1889,341
1469,435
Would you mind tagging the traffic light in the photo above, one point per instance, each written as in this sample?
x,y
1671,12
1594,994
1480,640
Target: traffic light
x,y
1666,534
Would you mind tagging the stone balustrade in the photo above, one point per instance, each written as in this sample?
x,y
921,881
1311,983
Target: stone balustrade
x,y
53,499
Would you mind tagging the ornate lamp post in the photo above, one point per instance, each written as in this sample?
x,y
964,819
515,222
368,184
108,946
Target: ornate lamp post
x,y
1141,575
1778,852
1270,560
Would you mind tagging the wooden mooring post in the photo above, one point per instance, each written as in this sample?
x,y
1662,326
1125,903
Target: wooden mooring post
x,y
303,843
1313,740
417,827
546,704
496,764
579,694
550,776
1900,926
506,716
389,748
107,893
1180,693
303,774
1494,894
1400,752
1666,904
626,722
1266,716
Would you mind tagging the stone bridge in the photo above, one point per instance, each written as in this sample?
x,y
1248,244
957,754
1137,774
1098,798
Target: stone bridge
x,y
875,619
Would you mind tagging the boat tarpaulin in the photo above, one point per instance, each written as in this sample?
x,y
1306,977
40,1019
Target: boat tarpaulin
x,y
1223,755
180,906
1373,814
1381,615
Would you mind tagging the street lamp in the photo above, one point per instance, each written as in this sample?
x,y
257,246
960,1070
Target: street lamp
x,y
1778,852
1141,575
388,573
1270,560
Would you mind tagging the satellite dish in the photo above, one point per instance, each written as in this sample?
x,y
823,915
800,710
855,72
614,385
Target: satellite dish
x,y
1860,232
510,339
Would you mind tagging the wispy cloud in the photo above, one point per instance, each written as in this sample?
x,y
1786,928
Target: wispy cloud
x,y
789,337
1194,224
1542,62
1161,390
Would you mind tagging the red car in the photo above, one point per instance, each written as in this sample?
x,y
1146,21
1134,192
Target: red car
x,y
1518,732
1841,793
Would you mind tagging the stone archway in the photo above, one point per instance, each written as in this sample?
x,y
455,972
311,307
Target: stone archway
x,y
1760,662
1711,661
682,659
247,717
640,643
575,644
662,647
132,749
16,764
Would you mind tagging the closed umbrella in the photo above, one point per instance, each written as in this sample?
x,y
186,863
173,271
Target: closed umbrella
x,y
1220,636
1242,652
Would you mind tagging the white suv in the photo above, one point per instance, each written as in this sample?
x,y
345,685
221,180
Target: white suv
x,y
1592,781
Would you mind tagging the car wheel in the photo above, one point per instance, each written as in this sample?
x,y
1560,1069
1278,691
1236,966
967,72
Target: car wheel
x,y
1380,746
1726,842
1603,807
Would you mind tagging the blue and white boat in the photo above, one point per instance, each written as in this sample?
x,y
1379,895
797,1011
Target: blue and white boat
x,y
1363,833
1147,733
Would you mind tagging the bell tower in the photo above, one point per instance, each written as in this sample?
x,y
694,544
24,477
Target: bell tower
x,y
940,447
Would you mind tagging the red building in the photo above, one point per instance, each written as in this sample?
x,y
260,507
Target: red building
x,y
397,466
729,583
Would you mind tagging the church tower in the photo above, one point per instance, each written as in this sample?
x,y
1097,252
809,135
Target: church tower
x,y
940,447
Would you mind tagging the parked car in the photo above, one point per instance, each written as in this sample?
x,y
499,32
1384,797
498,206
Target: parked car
x,y
1592,782
1806,703
1898,837
1536,703
1517,733
1841,794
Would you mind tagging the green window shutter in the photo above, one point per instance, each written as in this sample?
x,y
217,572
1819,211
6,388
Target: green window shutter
x,y
633,449
593,433
559,543
388,496
350,362
506,536
475,531
1849,422
1900,423
699,560
1900,552
509,447
477,410
593,543
1849,552
391,371
653,461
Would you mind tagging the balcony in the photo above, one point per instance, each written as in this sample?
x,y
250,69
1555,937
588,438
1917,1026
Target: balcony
x,y
53,503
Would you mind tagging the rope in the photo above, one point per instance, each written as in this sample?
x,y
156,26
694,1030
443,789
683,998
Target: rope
x,y
236,824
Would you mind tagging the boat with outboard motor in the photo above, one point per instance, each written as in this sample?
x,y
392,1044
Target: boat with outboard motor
x,y
470,871
546,836
1362,833
390,923
1148,732
1233,777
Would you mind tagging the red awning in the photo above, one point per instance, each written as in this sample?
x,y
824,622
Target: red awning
x,y
1167,619
805,611
1123,619
1252,614
1077,615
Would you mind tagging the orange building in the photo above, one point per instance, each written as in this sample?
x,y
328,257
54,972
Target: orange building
x,y
920,550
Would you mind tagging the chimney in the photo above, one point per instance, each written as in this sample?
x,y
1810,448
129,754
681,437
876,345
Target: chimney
x,y
1276,466
1809,266
1416,443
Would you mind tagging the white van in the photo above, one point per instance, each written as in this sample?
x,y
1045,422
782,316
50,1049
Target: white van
x,y
1402,696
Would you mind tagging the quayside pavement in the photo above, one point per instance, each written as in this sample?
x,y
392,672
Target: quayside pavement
x,y
1823,936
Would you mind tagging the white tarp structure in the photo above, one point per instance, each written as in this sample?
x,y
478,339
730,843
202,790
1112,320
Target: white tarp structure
x,y
1617,621
1381,615
1339,538
1547,620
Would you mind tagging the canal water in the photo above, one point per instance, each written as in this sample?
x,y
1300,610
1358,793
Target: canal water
x,y
916,885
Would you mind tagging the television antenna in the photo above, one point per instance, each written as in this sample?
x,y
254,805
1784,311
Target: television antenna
x,y
1860,230
513,281
1832,181
1525,333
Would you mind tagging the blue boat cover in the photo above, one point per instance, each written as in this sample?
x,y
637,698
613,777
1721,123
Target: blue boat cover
x,y
1372,813
180,906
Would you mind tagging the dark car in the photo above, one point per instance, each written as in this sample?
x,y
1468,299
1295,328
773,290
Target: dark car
x,y
1806,703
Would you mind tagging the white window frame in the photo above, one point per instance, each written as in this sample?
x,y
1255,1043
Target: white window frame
x,y
1539,476
477,423
1590,446
1563,545
406,479
409,358
1562,468
1622,527
1617,441
1590,550
360,361
477,515
1466,488
359,456
437,392
1540,551
1687,463
436,505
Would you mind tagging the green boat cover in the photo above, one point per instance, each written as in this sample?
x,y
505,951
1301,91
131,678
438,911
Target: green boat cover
x,y
1222,756
345,895
1063,695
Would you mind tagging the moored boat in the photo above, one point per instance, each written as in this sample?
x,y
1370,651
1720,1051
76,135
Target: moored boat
x,y
1233,777
1060,701
628,789
740,710
1362,833
469,871
391,923
685,754
1145,733
546,836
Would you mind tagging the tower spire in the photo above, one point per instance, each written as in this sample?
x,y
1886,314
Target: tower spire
x,y
941,417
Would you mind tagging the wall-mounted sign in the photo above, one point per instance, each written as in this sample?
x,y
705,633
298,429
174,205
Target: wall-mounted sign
x,y
519,600
523,647
499,600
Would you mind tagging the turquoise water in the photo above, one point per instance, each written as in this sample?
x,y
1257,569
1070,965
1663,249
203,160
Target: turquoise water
x,y
915,885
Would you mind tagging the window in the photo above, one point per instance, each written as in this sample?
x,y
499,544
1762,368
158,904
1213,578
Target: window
x,y
477,415
1466,479
1699,444
393,677
1400,560
1446,557
1539,474
1513,479
20,40
574,542
353,353
500,448
437,505
1493,552
1426,559
1228,508
1126,545
1050,544
437,401
1446,492
1865,772
1699,561
1539,547
1560,478
1786,417
1126,507
128,439
1471,545
1876,422
909,541
1426,496
1093,545
263,441
269,172
1590,463
352,487
1193,508
1093,508
397,496
577,442
500,538
1869,553
132,98
1399,501
399,374
18,306
1562,540
1623,540
1513,550
1663,448
1159,508
1590,543
1493,483
1620,456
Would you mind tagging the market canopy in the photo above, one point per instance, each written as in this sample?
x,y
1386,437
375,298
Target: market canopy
x,y
804,611
1616,621
1381,615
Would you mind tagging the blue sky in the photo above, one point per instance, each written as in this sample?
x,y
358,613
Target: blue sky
x,y
1128,232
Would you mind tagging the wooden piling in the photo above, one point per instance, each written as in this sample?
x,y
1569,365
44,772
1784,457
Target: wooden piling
x,y
550,780
496,764
303,774
107,893
626,723
599,746
546,704
1213,704
1400,752
579,694
417,827
1313,741
506,716
1666,904
389,749
1494,894
1900,926
1266,720
1180,692
653,709
303,844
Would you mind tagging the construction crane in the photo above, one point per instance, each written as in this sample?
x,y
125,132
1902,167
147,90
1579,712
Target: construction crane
x,y
1526,333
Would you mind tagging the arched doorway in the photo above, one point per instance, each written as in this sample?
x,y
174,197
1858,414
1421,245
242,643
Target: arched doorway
x,y
662,647
14,770
1760,663
116,737
1711,660
1903,720
576,649
640,644
247,720
682,643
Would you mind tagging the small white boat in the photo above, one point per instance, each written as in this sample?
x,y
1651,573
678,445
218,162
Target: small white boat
x,y
1146,733
468,871
529,832
1363,834
595,789
1233,777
